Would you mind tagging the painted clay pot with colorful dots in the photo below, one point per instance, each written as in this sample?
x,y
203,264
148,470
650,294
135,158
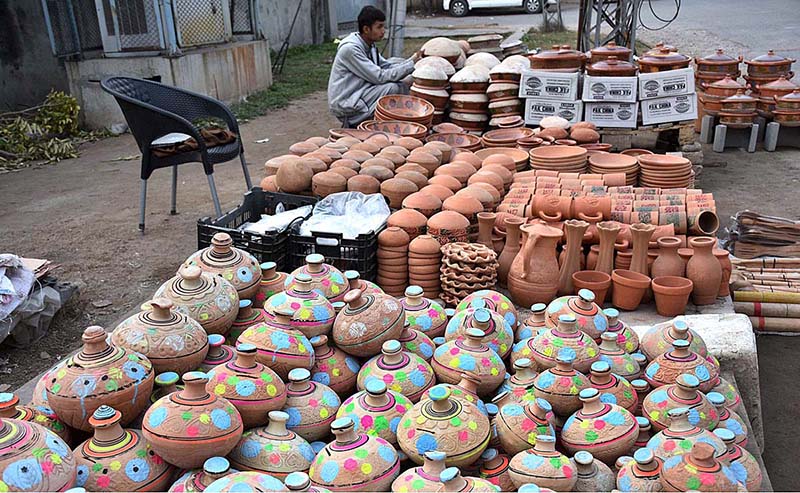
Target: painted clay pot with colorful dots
x,y
118,459
728,419
32,458
452,426
659,338
566,338
494,438
666,368
681,435
246,317
333,367
626,337
424,478
355,282
39,397
620,362
520,382
518,425
469,355
733,400
416,342
453,481
593,475
698,470
683,393
606,430
311,313
613,388
326,279
497,333
254,389
466,389
218,353
643,473
251,481
272,449
533,324
401,371
642,388
10,408
367,322
170,340
376,410
524,350
279,345
272,282
165,384
423,314
645,434
543,466
191,425
494,301
588,314
199,479
235,265
560,385
209,299
311,406
355,461
532,488
299,481
742,463
494,469
98,374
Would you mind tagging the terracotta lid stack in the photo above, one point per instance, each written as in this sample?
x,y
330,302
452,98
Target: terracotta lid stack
x,y
424,262
466,268
393,260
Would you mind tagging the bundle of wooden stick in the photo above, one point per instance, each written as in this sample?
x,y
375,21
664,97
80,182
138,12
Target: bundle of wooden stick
x,y
768,291
754,235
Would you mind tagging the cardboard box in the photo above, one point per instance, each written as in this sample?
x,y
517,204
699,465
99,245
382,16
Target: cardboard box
x,y
611,114
616,89
554,86
669,109
663,84
536,109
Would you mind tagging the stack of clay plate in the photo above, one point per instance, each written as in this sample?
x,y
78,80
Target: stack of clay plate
x,y
461,140
606,162
503,91
424,264
393,260
559,158
469,103
486,43
519,156
430,84
505,137
404,129
466,268
665,171
399,107
512,47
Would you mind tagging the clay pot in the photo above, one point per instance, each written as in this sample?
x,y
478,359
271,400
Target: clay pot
x,y
247,481
448,226
355,282
511,248
315,315
454,482
595,281
679,437
699,470
518,424
485,226
311,406
494,301
593,475
468,207
454,357
612,440
498,334
613,388
467,390
34,458
702,222
168,433
376,411
626,337
551,208
345,172
279,344
551,342
394,361
704,270
533,277
199,479
325,278
523,375
367,322
294,176
530,327
396,190
574,231
660,338
422,478
557,385
729,419
682,394
440,191
246,317
725,263
589,316
365,184
672,294
209,299
629,288
10,408
328,182
668,262
233,264
218,353
643,473
494,469
620,362
666,368
543,465
427,204
409,220
746,468
423,314
333,367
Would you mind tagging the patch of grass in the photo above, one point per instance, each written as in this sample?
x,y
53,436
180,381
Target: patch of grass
x,y
535,38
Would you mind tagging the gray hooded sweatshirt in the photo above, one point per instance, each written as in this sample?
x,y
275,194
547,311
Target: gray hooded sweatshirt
x,y
356,70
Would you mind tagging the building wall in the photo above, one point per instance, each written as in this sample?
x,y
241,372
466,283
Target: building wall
x,y
312,26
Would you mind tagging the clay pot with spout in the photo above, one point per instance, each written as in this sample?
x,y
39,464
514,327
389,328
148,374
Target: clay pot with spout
x,y
533,277
279,343
510,249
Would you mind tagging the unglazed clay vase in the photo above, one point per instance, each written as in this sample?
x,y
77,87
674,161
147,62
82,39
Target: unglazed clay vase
x,y
199,479
32,458
218,353
182,426
607,231
272,282
610,432
560,385
619,361
367,322
495,301
518,425
643,473
627,339
254,389
272,449
454,482
415,342
312,313
333,367
742,463
376,411
728,419
10,408
613,388
704,270
311,406
452,426
543,466
246,317
563,340
698,470
574,231
279,345
235,265
593,475
679,438
169,339
682,394
533,277
355,461
668,262
117,459
299,481
326,279
424,478
658,339
246,481
498,334
209,299
469,355
588,314
494,469
423,314
99,374
403,372
510,249
666,368
641,234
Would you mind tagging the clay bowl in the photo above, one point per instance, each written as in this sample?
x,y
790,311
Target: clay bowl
x,y
593,280
405,108
404,128
597,146
635,152
613,162
519,156
459,140
507,135
361,135
671,294
557,153
447,128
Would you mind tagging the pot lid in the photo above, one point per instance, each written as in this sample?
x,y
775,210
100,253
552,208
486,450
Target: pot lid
x,y
663,57
719,57
563,52
769,58
740,97
429,72
726,83
792,97
782,84
612,48
612,65
659,46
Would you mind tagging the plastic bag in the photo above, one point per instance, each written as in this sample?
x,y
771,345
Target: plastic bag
x,y
348,213
278,222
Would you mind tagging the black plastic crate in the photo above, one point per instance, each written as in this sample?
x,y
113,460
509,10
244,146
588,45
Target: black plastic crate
x,y
269,247
360,254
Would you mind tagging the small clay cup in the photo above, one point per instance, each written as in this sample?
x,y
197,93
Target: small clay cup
x,y
595,281
629,288
672,294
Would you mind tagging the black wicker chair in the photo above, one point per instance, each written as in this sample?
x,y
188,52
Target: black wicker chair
x,y
153,110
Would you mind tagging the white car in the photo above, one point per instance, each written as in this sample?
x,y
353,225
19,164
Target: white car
x,y
460,8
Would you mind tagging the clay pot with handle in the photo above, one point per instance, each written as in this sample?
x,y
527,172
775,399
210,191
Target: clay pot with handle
x,y
533,277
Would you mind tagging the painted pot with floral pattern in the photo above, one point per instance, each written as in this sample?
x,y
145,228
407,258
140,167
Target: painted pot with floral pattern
x,y
10,408
698,470
454,482
452,426
626,337
254,389
246,317
466,389
544,466
495,301
593,475
100,373
565,338
424,478
494,469
588,314
518,425
658,339
312,314
376,410
326,279
272,449
613,388
246,481
498,334
333,367
423,314
531,325
728,419
682,394
311,406
32,458
621,362
469,355
681,435
272,282
743,464
170,340
666,368
401,371
218,353
367,322
355,461
235,265
560,385
519,383
299,481
279,345
355,282
643,473
198,479
118,459
191,425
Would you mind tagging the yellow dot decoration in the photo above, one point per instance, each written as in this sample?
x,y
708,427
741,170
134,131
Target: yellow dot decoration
x,y
219,389
335,372
115,466
271,390
323,413
421,419
366,468
472,425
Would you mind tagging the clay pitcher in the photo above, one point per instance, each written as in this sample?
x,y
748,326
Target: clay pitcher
x,y
608,231
510,250
533,277
574,230
704,270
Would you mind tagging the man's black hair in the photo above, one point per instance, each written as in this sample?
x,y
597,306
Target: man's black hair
x,y
368,16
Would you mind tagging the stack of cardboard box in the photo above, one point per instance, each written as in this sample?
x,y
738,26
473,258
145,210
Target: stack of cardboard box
x,y
548,93
668,96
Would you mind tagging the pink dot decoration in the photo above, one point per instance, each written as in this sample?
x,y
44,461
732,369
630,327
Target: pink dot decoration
x,y
564,381
567,471
295,305
411,433
274,458
192,431
463,435
388,378
366,421
400,409
599,424
486,362
350,464
313,402
454,350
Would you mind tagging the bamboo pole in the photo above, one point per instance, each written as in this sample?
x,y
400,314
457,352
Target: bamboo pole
x,y
767,296
772,324
758,309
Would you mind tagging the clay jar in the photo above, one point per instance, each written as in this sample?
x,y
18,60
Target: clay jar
x,y
543,466
454,427
28,450
668,262
659,339
235,265
409,220
494,469
423,314
299,481
218,353
355,461
627,339
402,372
742,463
141,469
376,410
533,277
620,362
187,443
333,367
643,473
704,270
247,481
454,482
199,479
560,385
614,389
279,345
422,478
565,339
448,227
99,374
530,327
10,408
169,339
469,355
466,389
520,381
494,301
272,449
311,313
593,475
209,299
725,262
682,394
497,333
666,368
680,436
246,317
367,322
251,387
355,282
698,470
728,419
272,282
325,279
510,249
518,425
589,316
311,406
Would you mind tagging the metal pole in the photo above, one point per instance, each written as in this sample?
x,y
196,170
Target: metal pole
x,y
398,19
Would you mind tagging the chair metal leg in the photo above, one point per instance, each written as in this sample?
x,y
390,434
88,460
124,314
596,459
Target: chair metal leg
x,y
142,204
246,172
214,196
174,210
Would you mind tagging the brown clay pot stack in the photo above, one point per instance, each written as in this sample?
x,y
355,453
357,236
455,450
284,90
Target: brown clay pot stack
x,y
393,260
466,268
424,263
